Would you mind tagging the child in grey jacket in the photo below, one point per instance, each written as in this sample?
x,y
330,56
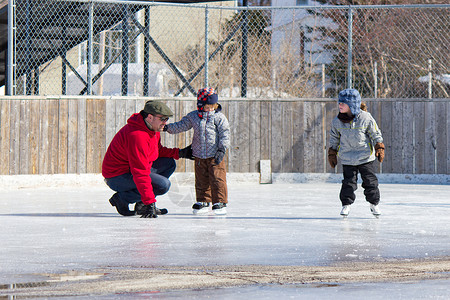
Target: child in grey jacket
x,y
211,140
356,140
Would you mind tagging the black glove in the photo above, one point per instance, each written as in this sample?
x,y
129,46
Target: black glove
x,y
219,156
165,128
149,211
186,153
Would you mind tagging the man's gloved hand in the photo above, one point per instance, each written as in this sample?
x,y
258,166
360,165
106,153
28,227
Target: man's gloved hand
x,y
149,211
219,156
332,157
165,128
186,153
379,151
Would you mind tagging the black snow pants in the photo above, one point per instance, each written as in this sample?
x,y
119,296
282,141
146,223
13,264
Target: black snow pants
x,y
369,183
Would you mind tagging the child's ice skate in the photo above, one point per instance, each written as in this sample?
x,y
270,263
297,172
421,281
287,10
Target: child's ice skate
x,y
375,210
200,208
345,211
220,208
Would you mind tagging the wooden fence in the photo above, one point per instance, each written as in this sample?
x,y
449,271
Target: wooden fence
x,y
45,135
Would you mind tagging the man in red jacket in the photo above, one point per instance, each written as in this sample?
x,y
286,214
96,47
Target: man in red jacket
x,y
137,166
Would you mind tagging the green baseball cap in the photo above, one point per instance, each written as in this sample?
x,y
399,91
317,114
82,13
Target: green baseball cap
x,y
157,108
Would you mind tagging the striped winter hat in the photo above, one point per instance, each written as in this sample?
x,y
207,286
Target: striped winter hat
x,y
206,96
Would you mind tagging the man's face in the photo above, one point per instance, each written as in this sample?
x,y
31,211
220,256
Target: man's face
x,y
157,122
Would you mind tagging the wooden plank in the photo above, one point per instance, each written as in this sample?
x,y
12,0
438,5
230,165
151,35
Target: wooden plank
x,y
170,140
297,137
448,138
72,136
110,120
319,138
285,118
408,138
243,136
309,159
233,155
43,138
386,129
397,135
5,136
91,128
101,134
81,136
441,137
14,138
24,132
180,139
130,107
254,135
63,115
276,141
266,130
53,159
331,112
430,138
34,137
419,138
121,114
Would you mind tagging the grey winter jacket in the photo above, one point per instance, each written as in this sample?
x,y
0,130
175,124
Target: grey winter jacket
x,y
212,132
355,141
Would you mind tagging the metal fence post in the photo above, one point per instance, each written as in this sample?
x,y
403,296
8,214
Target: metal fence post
x,y
350,42
206,45
375,80
323,81
89,50
125,50
10,60
244,52
28,54
430,80
146,52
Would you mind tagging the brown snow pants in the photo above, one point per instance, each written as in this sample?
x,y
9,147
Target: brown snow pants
x,y
210,181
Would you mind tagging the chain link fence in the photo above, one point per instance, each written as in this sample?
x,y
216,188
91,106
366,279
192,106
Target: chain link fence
x,y
162,50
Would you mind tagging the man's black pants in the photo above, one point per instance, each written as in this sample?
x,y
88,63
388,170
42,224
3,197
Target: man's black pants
x,y
369,183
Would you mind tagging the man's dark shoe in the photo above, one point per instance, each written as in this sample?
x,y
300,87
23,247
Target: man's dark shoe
x,y
122,207
139,208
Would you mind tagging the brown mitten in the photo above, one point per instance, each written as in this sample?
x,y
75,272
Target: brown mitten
x,y
379,151
332,157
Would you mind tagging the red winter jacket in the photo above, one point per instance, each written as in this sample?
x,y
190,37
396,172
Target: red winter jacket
x,y
133,150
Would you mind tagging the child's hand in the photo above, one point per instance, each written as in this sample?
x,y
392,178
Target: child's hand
x,y
332,157
379,151
219,156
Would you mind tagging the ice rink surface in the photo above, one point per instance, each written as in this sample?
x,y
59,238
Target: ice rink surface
x,y
50,230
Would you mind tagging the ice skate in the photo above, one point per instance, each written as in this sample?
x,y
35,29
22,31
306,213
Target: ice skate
x,y
200,208
375,210
220,208
345,211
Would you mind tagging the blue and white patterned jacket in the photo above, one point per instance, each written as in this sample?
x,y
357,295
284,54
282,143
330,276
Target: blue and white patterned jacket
x,y
212,132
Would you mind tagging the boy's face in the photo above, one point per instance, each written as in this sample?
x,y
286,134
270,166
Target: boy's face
x,y
208,107
344,108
